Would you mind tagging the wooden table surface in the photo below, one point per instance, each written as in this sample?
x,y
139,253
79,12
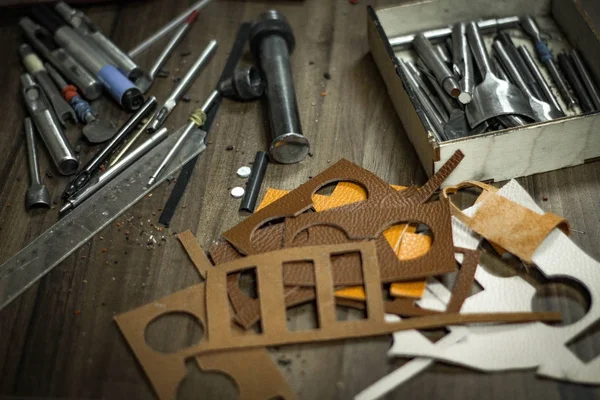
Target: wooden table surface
x,y
58,339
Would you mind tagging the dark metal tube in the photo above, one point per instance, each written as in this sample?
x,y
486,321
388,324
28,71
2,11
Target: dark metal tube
x,y
567,67
255,182
272,42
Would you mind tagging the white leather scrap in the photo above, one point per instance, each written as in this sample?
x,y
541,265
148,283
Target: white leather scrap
x,y
506,347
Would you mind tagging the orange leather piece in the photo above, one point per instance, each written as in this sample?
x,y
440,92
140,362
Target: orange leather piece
x,y
405,243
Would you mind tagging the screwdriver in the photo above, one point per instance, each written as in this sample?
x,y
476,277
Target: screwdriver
x,y
95,131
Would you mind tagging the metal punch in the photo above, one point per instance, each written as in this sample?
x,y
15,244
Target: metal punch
x,y
462,62
41,40
568,67
542,111
493,96
165,110
86,28
439,69
537,74
35,67
37,193
50,130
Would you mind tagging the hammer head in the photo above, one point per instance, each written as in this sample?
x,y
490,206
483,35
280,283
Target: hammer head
x,y
37,197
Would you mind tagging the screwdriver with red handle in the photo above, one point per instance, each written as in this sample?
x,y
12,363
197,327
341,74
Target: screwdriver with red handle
x,y
95,130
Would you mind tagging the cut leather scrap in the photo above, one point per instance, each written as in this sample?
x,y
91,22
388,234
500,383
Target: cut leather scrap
x,y
368,223
267,266
401,238
253,370
536,346
507,224
300,199
195,252
400,306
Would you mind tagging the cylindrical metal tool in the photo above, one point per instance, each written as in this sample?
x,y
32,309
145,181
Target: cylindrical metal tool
x,y
272,42
42,42
443,53
439,69
37,193
587,79
510,120
436,122
54,138
87,29
196,121
120,88
92,166
515,56
167,28
259,167
101,180
463,63
547,59
436,101
487,25
165,110
145,81
568,68
173,43
542,110
541,81
36,68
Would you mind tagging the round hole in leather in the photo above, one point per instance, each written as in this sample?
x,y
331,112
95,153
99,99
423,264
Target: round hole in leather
x,y
173,331
564,295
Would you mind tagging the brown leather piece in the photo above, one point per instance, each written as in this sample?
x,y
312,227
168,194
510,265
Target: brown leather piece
x,y
509,225
369,222
300,200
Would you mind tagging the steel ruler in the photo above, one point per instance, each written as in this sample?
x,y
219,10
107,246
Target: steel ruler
x,y
80,225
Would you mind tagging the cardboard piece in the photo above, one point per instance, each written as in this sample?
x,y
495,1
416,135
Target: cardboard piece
x,y
507,224
253,370
532,345
274,331
195,252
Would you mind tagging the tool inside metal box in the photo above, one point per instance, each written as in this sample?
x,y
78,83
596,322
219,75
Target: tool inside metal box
x,y
512,115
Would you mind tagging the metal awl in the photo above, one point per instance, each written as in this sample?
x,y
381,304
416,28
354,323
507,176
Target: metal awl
x,y
165,110
145,81
196,121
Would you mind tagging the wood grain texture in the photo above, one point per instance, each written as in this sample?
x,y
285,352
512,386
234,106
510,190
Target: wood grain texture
x,y
58,338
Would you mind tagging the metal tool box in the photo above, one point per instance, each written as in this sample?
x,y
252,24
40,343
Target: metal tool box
x,y
504,154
